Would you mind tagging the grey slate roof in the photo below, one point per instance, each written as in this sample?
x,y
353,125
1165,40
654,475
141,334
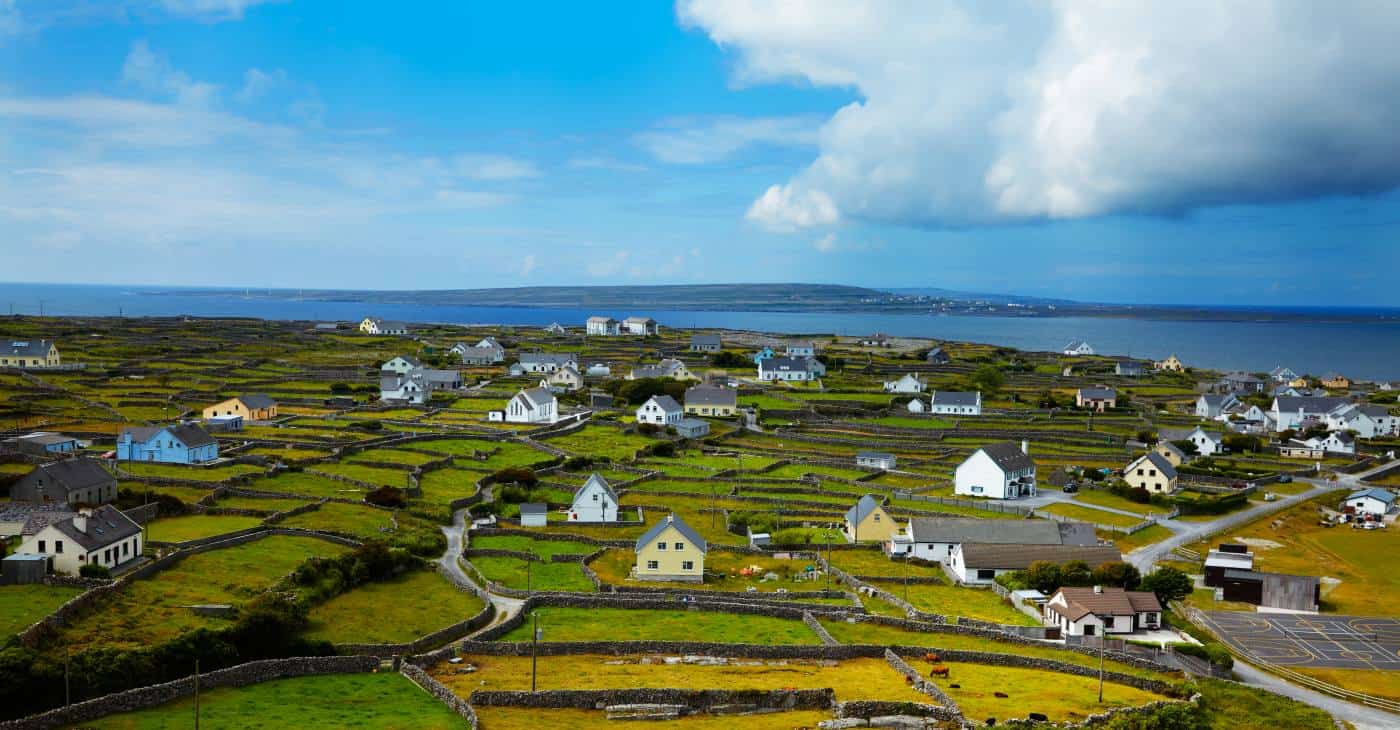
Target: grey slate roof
x,y
533,508
1008,456
45,438
681,527
874,455
666,402
1099,393
786,363
105,526
1160,462
707,340
864,506
992,532
1309,403
191,435
26,348
709,395
257,401
597,479
76,473
1019,557
955,398
1384,495
535,397
548,357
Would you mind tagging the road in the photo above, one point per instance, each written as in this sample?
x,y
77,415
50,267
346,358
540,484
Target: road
x,y
1363,718
456,541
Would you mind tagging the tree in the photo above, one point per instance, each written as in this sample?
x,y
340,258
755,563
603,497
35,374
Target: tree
x,y
988,379
1168,583
1043,576
1076,573
1117,574
1185,445
728,359
1047,400
1147,437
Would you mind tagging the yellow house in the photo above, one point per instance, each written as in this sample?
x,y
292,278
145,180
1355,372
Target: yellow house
x,y
1298,382
1152,472
1171,364
252,407
1336,380
29,354
709,400
869,522
671,551
1170,452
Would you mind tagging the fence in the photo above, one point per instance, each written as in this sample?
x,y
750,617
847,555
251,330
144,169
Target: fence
x,y
985,505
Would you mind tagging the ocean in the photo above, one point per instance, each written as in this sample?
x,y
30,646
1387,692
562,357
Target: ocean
x,y
1369,351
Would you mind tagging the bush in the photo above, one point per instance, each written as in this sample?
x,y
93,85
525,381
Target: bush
x,y
92,570
578,463
368,425
663,449
516,475
1212,652
340,388
386,496
1170,584
648,429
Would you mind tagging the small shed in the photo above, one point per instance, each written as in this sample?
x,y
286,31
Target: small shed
x,y
875,460
22,568
224,423
533,514
693,428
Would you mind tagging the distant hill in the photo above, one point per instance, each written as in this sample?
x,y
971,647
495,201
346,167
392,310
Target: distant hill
x,y
764,297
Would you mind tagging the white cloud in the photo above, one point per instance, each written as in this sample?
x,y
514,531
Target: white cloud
x,y
825,244
527,265
155,74
494,167
11,22
993,112
703,141
600,268
257,83
783,208
605,163
211,10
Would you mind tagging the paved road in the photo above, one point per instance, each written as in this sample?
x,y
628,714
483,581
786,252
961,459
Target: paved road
x,y
456,541
1364,718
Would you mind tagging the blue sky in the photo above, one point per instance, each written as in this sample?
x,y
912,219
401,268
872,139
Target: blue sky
x,y
1072,150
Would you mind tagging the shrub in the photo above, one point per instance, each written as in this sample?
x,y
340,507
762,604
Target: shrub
x,y
578,463
648,429
1170,584
663,449
340,388
368,425
92,570
386,496
516,475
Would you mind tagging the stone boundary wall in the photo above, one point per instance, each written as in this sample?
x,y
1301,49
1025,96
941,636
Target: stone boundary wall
x,y
918,682
696,700
150,696
143,514
818,629
427,642
427,683
867,709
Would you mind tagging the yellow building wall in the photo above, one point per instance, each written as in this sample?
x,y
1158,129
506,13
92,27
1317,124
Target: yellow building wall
x,y
876,527
668,561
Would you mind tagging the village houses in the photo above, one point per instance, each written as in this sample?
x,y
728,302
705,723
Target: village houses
x,y
79,480
706,343
790,368
1101,610
1078,347
670,368
640,326
1169,365
377,326
882,460
910,383
710,400
935,538
868,521
1374,502
975,563
1096,399
955,403
186,443
411,387
546,362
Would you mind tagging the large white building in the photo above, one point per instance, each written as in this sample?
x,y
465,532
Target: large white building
x,y
1296,412
602,326
996,471
956,403
533,405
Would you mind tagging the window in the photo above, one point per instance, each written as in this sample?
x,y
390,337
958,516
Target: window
x,y
41,547
976,490
661,545
680,546
687,565
986,574
1089,630
58,546
651,565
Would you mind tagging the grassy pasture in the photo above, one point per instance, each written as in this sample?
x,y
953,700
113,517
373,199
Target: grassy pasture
x,y
394,611
620,624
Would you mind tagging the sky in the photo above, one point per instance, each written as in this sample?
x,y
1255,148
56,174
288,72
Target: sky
x,y
1176,152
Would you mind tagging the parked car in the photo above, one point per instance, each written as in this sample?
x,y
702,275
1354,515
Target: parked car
x,y
1071,488
1285,478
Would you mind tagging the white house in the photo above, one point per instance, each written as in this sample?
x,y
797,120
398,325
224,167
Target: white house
x,y
101,536
1374,502
1282,374
377,326
486,352
1368,421
1078,347
402,364
1215,406
1295,412
640,326
910,383
1207,443
534,514
595,501
957,403
980,563
875,460
800,349
413,387
1101,610
916,406
603,326
934,538
996,471
554,328
535,405
670,367
1336,442
547,362
566,378
790,368
660,410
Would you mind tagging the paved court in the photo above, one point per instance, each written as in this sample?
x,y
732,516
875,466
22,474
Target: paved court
x,y
1311,640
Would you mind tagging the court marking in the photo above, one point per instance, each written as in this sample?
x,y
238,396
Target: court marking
x,y
1338,642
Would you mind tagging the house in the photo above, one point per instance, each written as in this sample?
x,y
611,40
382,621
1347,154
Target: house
x,y
660,410
790,368
186,443
980,563
1282,374
412,387
1168,450
997,471
1295,449
99,536
710,400
916,406
1227,557
1336,442
910,383
1171,365
29,354
1078,347
1374,502
670,368
73,481
1240,382
875,460
642,326
879,339
933,538
937,356
377,326
443,379
534,514
706,343
1152,472
547,362
693,428
671,551
251,407
1294,413
554,328
603,326
1215,406
44,443
532,405
959,403
1096,399
595,501
1287,390
1127,368
1335,381
763,354
868,521
800,349
486,352
1206,442
566,378
402,364
1102,610
1366,420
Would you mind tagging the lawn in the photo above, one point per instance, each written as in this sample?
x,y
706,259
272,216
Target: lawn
x,y
152,610
515,718
1141,538
948,600
442,486
1237,707
311,485
620,624
723,572
606,441
513,573
192,473
184,528
288,453
345,519
1104,498
381,700
1060,697
392,456
852,679
261,504
542,548
394,611
874,563
371,474
22,605
907,422
1089,514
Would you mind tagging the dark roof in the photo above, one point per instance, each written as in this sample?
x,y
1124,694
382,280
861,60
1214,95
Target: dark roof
x,y
1019,557
558,358
989,532
864,506
1158,461
956,398
705,340
709,395
257,400
681,527
1384,495
786,363
534,397
1107,601
106,525
1098,393
1309,403
666,402
46,438
1008,456
191,435
27,348
533,508
77,473
874,455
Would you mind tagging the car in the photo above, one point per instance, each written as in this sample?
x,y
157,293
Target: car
x,y
1071,488
1285,478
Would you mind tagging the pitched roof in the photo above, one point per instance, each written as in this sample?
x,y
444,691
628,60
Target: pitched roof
x,y
874,455
1019,557
599,319
45,437
990,532
956,398
665,403
1107,601
864,506
76,473
640,320
1158,461
558,358
786,363
1384,495
1098,393
1076,344
1309,403
594,480
1008,456
191,435
26,348
105,526
706,340
256,401
533,508
535,397
672,521
709,395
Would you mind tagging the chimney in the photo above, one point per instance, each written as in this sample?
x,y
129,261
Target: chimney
x,y
1025,446
80,523
670,519
1098,589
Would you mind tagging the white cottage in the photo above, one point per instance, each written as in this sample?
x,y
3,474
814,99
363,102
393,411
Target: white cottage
x,y
660,410
1375,502
595,501
910,383
535,405
1099,610
997,471
101,536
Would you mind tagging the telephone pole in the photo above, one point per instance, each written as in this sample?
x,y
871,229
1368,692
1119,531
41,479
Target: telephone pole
x,y
196,694
535,649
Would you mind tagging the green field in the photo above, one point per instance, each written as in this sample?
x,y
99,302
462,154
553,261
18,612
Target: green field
x,y
22,605
184,528
394,611
947,600
512,573
618,624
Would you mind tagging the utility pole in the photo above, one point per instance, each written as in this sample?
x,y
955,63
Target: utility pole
x,y
528,564
196,694
67,693
1102,640
535,649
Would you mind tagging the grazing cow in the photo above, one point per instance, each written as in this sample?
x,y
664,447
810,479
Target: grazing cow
x,y
938,671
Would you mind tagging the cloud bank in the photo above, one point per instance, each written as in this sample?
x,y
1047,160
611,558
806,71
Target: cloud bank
x,y
987,113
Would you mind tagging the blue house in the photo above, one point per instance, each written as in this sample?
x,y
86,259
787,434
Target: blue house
x,y
183,444
763,354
